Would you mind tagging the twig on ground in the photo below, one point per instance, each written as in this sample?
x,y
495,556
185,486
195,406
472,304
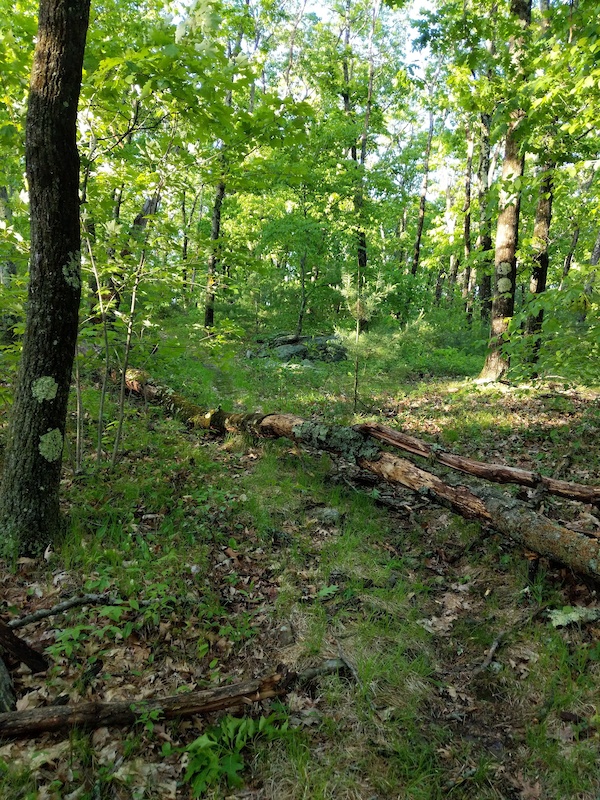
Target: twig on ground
x,y
82,600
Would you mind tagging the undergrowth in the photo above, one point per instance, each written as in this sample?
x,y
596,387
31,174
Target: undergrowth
x,y
220,559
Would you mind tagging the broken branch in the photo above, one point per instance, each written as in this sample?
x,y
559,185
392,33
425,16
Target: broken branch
x,y
18,724
498,473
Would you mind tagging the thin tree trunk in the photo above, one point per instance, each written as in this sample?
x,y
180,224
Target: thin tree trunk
x,y
29,495
498,473
423,196
541,258
570,253
213,257
8,270
484,236
450,219
303,293
18,724
134,291
466,281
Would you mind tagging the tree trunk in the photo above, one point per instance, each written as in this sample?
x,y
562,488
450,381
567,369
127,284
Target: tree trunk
x,y
484,235
8,269
539,274
20,650
498,473
570,253
507,232
466,278
29,496
213,257
8,701
423,197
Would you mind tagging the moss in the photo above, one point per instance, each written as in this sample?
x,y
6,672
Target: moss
x,y
351,444
44,388
51,445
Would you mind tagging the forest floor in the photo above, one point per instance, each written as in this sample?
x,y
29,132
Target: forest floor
x,y
470,670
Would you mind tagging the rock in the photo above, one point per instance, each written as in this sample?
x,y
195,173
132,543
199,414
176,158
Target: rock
x,y
328,516
285,635
285,346
286,351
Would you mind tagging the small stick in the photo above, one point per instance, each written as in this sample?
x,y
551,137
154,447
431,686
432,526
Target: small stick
x,y
72,602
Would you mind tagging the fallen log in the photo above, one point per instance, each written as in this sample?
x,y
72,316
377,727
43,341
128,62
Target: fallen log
x,y
20,724
506,515
498,473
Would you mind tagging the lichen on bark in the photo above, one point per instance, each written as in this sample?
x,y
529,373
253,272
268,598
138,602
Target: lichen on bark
x,y
350,444
44,388
51,445
72,271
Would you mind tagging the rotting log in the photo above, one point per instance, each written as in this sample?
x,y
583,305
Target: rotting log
x,y
504,514
498,473
20,724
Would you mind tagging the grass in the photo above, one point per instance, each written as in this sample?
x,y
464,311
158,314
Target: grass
x,y
226,541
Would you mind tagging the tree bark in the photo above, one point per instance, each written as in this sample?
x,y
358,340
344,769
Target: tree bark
x,y
541,259
507,233
213,256
423,197
484,235
547,537
8,700
466,278
29,496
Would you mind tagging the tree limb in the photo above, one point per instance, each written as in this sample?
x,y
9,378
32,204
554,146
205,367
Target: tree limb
x,y
19,724
498,473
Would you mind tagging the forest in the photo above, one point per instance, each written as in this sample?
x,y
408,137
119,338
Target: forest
x,y
300,400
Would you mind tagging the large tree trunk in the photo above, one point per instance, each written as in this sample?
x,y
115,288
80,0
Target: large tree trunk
x,y
29,496
507,232
505,273
504,514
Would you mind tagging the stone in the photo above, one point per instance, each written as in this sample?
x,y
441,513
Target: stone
x,y
286,351
285,635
